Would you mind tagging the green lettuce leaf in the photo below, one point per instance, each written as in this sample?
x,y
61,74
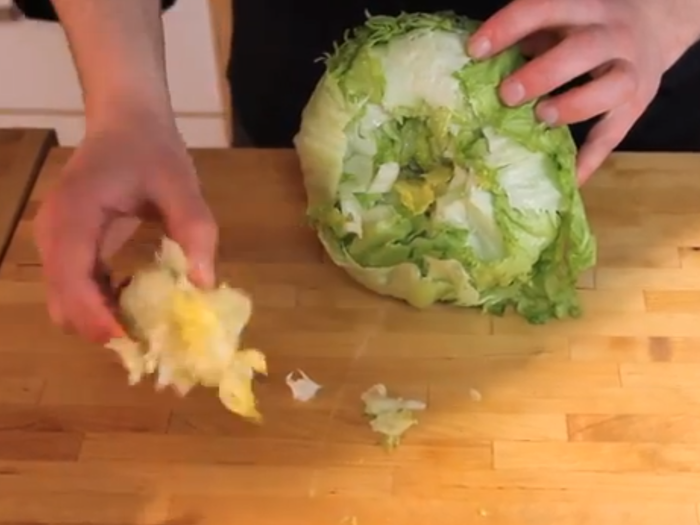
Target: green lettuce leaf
x,y
423,186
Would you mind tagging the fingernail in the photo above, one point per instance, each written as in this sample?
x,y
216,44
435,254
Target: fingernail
x,y
203,274
547,114
512,92
479,47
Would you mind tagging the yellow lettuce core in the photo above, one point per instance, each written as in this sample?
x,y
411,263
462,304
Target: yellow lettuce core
x,y
187,336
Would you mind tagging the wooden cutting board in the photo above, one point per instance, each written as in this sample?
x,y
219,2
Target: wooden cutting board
x,y
578,422
22,153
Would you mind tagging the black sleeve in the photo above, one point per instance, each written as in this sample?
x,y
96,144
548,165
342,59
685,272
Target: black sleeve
x,y
43,9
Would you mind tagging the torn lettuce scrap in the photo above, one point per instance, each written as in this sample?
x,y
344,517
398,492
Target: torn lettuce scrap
x,y
302,386
391,417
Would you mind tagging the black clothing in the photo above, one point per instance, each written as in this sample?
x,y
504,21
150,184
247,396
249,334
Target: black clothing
x,y
272,70
43,9
275,42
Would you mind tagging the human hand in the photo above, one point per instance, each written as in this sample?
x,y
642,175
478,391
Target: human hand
x,y
134,165
626,45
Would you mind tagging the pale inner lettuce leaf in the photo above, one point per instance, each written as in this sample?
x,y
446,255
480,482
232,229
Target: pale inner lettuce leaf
x,y
438,192
474,213
385,178
523,174
303,388
358,162
419,69
352,212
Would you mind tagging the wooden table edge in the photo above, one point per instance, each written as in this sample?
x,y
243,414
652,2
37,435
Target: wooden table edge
x,y
17,185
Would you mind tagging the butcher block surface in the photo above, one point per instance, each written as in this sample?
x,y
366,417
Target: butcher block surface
x,y
22,154
594,421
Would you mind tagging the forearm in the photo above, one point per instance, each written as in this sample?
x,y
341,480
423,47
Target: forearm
x,y
118,50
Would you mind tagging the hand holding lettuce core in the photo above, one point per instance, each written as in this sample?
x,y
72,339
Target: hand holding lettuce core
x,y
423,186
188,336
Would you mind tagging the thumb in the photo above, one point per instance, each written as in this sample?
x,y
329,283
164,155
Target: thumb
x,y
190,223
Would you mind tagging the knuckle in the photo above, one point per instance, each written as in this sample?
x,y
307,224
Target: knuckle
x,y
579,10
629,83
593,45
597,38
625,80
624,43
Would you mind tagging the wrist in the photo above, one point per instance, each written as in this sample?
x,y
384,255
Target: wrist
x,y
678,24
128,105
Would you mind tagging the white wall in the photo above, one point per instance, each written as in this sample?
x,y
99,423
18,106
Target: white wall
x,y
39,85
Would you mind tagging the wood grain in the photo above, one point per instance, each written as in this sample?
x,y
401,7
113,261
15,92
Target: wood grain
x,y
22,154
574,423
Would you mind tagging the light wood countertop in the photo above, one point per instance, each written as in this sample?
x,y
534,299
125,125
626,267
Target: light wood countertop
x,y
582,422
22,154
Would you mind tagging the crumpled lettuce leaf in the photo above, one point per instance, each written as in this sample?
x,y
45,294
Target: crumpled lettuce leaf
x,y
187,336
391,417
303,388
423,186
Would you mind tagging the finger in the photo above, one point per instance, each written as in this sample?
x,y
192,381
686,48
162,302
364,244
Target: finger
x,y
89,314
79,305
594,98
576,55
190,223
67,248
522,18
56,312
603,139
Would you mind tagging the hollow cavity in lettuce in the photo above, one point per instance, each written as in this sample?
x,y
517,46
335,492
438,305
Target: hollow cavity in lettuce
x,y
187,336
423,186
